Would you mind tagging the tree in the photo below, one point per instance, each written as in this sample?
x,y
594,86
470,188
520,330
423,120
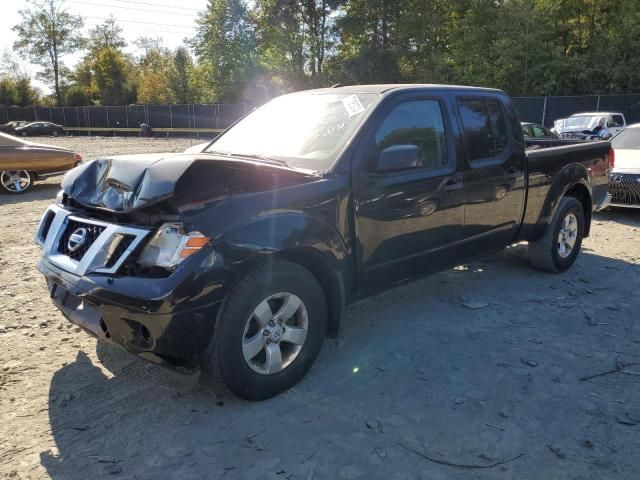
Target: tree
x,y
154,85
76,96
280,45
112,76
8,92
27,95
225,42
47,33
146,44
108,34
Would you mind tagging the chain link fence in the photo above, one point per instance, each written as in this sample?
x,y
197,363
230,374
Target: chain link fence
x,y
183,117
543,110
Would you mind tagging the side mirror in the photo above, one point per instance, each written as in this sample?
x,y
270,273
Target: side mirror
x,y
399,157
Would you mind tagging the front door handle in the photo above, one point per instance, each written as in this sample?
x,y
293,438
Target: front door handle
x,y
452,185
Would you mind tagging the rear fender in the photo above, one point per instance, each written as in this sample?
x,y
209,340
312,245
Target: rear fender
x,y
573,179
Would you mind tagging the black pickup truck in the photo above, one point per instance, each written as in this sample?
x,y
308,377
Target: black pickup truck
x,y
240,260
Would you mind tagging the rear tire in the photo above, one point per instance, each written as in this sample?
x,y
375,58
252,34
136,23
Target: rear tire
x,y
255,314
558,249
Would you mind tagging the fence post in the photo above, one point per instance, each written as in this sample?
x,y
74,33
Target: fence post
x,y
544,110
598,104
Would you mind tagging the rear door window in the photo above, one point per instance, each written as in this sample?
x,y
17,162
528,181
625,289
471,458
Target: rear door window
x,y
485,127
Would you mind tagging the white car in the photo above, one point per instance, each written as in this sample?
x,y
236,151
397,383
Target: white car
x,y
624,182
578,123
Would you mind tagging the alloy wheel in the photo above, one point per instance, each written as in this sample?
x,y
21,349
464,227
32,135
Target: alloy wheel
x,y
568,235
16,181
275,333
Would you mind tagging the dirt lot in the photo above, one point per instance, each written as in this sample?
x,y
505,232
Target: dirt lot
x,y
479,366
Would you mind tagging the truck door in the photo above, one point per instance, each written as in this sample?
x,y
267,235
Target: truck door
x,y
615,123
408,195
494,175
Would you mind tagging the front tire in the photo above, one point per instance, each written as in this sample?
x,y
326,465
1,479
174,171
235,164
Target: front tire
x,y
18,181
558,249
269,333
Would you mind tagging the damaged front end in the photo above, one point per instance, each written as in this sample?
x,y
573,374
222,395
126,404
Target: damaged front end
x,y
116,244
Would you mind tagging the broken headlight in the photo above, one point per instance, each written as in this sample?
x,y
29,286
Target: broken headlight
x,y
170,245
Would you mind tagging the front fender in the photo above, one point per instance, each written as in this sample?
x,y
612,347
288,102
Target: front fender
x,y
285,232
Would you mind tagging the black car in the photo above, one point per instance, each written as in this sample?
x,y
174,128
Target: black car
x,y
240,259
39,129
535,130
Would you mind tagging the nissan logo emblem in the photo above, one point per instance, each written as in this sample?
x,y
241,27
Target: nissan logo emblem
x,y
616,178
77,239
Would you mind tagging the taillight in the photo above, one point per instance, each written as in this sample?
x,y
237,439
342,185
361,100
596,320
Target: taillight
x,y
612,158
78,156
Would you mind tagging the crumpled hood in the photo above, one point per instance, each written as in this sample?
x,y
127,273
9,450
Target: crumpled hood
x,y
130,182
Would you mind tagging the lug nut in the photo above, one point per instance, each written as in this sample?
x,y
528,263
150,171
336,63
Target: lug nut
x,y
271,322
265,333
268,341
279,322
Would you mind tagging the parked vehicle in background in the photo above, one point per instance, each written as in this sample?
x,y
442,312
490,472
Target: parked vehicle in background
x,y
534,130
624,183
39,129
589,124
23,162
11,126
241,258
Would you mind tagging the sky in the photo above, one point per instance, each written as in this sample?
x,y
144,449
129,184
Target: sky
x,y
171,20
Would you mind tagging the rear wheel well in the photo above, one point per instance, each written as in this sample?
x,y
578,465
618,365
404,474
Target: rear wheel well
x,y
329,280
581,193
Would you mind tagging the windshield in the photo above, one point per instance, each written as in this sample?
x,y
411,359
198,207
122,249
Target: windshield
x,y
628,139
304,130
587,122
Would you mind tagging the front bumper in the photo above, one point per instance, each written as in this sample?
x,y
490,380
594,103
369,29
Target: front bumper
x,y
167,320
157,329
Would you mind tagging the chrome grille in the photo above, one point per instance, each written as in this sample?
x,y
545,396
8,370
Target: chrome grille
x,y
105,248
93,232
625,189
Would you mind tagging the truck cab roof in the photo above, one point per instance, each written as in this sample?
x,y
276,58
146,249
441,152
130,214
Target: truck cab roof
x,y
394,87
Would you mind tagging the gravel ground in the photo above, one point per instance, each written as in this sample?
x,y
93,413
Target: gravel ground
x,y
479,366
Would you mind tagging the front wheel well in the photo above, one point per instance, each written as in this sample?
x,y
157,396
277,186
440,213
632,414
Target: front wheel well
x,y
330,280
581,193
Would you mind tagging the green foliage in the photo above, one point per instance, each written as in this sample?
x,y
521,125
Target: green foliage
x,y
225,42
76,96
252,50
46,33
8,92
108,34
112,76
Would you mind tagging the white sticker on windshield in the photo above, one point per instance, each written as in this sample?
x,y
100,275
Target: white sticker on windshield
x,y
352,105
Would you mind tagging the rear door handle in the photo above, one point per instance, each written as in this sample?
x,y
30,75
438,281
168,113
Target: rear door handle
x,y
452,185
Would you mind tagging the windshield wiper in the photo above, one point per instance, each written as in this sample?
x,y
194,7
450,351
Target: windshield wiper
x,y
257,156
254,156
